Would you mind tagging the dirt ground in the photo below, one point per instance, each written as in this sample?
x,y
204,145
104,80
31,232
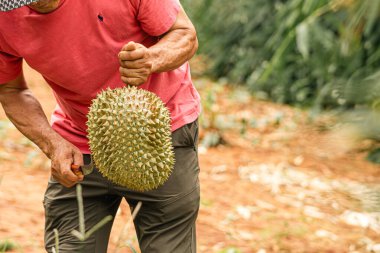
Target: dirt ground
x,y
279,183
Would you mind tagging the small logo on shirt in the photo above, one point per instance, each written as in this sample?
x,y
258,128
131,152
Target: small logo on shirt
x,y
100,17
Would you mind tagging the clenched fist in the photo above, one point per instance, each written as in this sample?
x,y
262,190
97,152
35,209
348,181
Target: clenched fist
x,y
135,64
63,154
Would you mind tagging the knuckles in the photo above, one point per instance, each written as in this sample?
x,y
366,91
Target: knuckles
x,y
65,173
135,66
133,81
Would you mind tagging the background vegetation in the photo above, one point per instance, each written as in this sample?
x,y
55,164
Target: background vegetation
x,y
319,53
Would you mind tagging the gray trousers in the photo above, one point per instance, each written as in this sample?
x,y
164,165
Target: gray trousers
x,y
165,222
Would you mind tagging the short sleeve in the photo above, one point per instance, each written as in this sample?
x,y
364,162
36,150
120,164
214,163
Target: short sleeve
x,y
157,16
10,67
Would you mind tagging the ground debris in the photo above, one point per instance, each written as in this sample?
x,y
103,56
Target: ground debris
x,y
364,220
307,191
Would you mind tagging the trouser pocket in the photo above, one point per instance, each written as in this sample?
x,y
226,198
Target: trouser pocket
x,y
186,136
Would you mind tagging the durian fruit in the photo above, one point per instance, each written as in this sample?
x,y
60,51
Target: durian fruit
x,y
130,138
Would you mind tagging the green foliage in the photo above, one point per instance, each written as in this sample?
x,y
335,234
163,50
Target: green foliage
x,y
315,52
130,246
7,245
82,235
374,156
230,250
368,122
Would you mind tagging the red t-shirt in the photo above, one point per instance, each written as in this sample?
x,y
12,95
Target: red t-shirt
x,y
75,48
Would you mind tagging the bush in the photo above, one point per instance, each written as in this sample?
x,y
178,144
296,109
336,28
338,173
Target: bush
x,y
315,52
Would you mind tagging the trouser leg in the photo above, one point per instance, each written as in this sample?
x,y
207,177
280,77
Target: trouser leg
x,y
61,213
169,227
166,221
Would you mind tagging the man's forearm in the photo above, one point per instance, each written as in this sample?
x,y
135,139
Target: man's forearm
x,y
26,113
175,47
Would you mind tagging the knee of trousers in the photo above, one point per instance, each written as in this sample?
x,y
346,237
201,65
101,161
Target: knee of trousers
x,y
177,211
169,226
184,207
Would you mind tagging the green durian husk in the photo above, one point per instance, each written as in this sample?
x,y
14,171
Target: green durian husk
x,y
130,138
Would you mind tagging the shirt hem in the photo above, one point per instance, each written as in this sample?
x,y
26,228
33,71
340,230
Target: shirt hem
x,y
10,77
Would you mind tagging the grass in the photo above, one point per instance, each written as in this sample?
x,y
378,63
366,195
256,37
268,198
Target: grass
x,y
7,245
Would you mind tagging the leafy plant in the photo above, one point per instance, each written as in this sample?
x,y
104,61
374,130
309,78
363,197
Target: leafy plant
x,y
7,245
209,118
82,234
122,242
312,52
374,156
230,250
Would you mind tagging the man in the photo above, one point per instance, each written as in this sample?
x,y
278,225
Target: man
x,y
80,48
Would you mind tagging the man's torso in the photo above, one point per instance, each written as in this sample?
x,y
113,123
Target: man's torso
x,y
75,48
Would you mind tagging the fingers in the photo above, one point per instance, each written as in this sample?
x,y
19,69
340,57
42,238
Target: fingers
x,y
132,51
65,161
135,64
132,81
78,158
142,73
136,76
132,55
61,179
67,174
130,46
76,169
77,161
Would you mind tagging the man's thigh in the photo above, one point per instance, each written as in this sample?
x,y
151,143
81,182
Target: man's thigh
x,y
61,213
166,221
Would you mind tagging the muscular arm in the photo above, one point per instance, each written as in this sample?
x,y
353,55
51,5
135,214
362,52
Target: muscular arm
x,y
174,48
25,112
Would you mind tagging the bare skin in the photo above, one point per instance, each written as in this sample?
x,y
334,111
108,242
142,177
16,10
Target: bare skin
x,y
45,6
136,64
26,114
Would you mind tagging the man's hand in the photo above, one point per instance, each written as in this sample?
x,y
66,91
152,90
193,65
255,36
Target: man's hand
x,y
63,154
135,64
174,48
